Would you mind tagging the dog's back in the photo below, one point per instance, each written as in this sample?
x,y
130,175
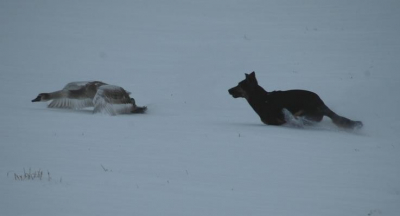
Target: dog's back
x,y
294,100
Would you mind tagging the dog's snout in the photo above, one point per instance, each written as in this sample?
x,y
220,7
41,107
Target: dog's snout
x,y
234,92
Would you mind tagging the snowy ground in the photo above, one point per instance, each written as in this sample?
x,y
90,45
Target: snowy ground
x,y
198,151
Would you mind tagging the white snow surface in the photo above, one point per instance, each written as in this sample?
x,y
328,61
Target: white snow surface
x,y
198,151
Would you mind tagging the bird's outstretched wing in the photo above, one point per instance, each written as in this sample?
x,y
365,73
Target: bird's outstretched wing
x,y
112,100
71,103
80,103
75,85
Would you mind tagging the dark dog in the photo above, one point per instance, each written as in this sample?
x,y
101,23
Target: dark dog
x,y
270,106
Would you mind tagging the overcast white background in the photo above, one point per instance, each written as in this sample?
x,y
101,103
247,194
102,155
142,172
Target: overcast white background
x,y
198,151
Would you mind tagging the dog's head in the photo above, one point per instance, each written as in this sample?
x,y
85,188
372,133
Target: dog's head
x,y
245,86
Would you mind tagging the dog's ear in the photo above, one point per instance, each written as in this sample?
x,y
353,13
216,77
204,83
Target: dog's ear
x,y
251,78
252,75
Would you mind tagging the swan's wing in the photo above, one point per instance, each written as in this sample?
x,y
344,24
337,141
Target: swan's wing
x,y
68,103
71,103
112,109
82,101
80,84
113,94
75,85
112,100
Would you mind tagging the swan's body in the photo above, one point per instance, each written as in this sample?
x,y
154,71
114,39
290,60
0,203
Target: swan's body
x,y
103,97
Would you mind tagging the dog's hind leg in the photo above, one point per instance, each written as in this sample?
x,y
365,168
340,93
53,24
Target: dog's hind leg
x,y
314,117
309,117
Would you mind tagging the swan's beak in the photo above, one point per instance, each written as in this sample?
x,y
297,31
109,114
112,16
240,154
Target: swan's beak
x,y
36,99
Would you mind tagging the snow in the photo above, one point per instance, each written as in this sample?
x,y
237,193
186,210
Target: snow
x,y
198,151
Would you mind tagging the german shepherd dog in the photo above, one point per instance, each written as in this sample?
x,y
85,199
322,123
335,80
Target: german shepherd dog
x,y
271,106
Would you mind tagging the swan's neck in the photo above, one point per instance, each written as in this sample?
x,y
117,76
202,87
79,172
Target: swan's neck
x,y
58,94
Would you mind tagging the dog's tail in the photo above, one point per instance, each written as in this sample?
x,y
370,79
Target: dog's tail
x,y
341,121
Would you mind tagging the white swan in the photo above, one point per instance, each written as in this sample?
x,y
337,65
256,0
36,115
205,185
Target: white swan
x,y
103,97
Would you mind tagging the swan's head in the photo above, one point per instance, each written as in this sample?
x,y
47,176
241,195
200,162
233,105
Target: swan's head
x,y
42,97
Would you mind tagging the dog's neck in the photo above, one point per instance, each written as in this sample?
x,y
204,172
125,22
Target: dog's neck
x,y
257,98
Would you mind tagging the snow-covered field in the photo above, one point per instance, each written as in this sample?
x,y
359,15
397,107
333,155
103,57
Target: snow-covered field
x,y
198,151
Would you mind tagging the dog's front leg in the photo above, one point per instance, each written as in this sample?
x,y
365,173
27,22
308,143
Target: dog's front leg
x,y
273,122
273,118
